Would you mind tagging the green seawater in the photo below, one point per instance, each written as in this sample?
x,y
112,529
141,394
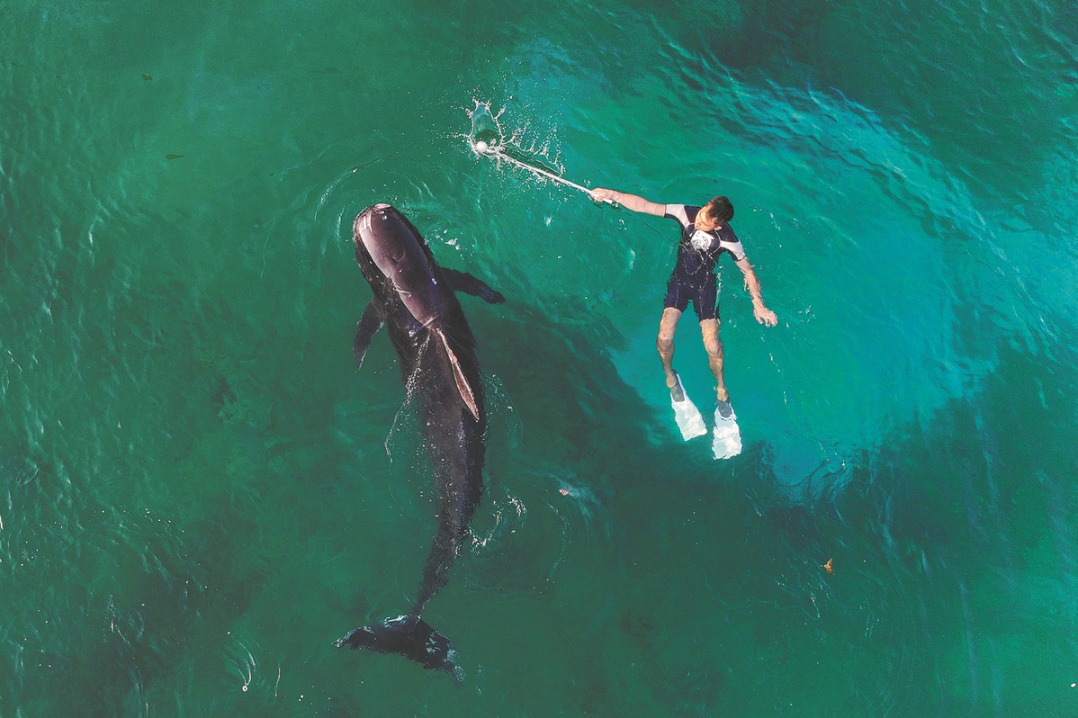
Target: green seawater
x,y
199,491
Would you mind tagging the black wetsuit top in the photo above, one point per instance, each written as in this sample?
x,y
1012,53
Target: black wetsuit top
x,y
693,277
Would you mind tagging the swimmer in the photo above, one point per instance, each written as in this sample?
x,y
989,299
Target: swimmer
x,y
705,235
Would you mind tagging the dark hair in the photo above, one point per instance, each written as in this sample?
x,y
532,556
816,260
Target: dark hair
x,y
719,209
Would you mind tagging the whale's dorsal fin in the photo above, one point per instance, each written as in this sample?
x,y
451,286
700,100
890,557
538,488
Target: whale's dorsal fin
x,y
463,386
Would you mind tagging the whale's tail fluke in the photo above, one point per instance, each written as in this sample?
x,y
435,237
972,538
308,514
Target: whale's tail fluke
x,y
407,636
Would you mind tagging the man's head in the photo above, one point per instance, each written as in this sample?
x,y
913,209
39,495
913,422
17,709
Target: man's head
x,y
715,213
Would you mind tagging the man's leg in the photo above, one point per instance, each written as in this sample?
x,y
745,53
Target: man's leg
x,y
665,343
709,330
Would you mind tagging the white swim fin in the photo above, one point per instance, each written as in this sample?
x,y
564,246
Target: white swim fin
x,y
689,419
726,441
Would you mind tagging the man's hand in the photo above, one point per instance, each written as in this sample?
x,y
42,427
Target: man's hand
x,y
764,315
601,194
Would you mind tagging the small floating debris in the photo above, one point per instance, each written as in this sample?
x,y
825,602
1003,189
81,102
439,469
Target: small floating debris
x,y
147,78
829,566
171,156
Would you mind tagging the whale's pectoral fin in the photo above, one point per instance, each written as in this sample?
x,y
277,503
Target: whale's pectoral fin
x,y
368,326
463,386
406,636
464,282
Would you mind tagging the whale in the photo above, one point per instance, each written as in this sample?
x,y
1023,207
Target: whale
x,y
415,300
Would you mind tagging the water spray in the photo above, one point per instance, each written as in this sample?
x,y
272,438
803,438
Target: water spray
x,y
487,141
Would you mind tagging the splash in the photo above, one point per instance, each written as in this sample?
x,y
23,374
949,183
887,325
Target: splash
x,y
488,140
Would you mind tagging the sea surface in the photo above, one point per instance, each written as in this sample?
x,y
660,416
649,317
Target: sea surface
x,y
199,491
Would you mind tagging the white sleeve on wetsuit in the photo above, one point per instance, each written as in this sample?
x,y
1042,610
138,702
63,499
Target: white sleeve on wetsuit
x,y
677,211
735,249
733,244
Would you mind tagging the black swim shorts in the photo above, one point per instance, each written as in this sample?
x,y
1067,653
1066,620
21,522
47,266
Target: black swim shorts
x,y
704,295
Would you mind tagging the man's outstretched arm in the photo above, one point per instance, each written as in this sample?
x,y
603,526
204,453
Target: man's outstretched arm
x,y
629,201
759,310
